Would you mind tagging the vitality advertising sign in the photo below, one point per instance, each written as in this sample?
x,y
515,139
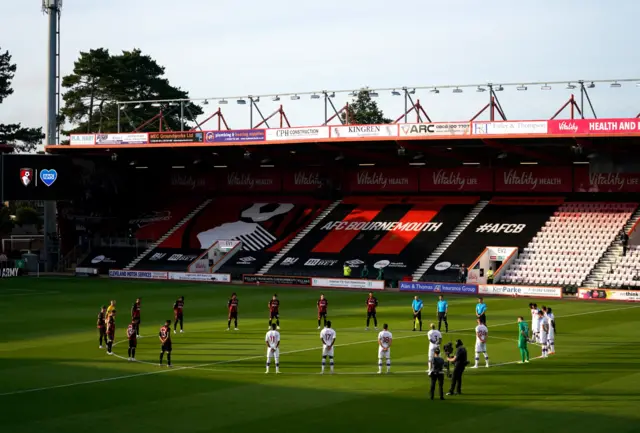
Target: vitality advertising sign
x,y
240,136
382,180
595,127
533,179
452,288
464,179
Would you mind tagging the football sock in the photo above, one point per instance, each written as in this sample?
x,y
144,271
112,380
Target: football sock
x,y
388,365
421,325
235,322
229,323
552,346
270,322
318,323
477,358
133,353
161,356
277,364
526,351
522,352
268,362
486,358
324,361
169,358
368,321
100,340
277,322
325,321
331,363
380,364
375,322
129,353
109,345
175,326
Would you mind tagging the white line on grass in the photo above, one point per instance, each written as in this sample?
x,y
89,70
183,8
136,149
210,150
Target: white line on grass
x,y
201,366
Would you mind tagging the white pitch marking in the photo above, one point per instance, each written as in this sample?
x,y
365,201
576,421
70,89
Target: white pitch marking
x,y
149,373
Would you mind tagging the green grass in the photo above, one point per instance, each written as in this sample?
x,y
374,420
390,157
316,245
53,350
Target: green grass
x,y
53,377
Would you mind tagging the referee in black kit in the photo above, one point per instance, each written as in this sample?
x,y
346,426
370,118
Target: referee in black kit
x,y
460,362
437,374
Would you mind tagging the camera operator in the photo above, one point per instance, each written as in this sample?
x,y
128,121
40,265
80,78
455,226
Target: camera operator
x,y
437,374
460,362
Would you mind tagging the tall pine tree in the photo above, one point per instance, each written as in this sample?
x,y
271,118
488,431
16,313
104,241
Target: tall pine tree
x,y
363,110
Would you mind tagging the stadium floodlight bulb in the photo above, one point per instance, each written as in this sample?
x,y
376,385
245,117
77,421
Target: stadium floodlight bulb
x,y
412,91
241,102
373,94
591,85
394,92
205,102
457,90
222,102
615,85
481,89
315,96
571,86
435,90
295,97
276,98
546,87
521,88
499,88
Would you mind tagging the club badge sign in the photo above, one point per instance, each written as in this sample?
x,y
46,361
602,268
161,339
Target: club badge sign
x,y
47,177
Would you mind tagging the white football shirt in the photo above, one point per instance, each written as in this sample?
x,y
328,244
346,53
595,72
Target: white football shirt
x,y
544,320
385,337
273,338
481,334
327,335
435,337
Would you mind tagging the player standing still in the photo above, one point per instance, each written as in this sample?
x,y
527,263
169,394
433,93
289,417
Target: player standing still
x,y
523,338
133,340
178,308
233,311
328,338
102,326
322,310
481,311
544,333
110,309
443,309
384,348
416,307
372,304
481,343
165,340
135,316
274,311
111,331
552,331
272,339
535,323
435,337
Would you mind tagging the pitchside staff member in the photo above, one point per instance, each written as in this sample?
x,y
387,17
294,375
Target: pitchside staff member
x,y
372,304
102,326
460,363
443,309
416,307
481,311
178,306
437,374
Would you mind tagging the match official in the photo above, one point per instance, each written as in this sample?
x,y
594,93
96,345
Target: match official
x,y
416,307
437,374
460,363
443,309
481,311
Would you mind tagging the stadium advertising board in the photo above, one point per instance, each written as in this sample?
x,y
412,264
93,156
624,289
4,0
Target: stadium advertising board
x,y
183,180
198,277
239,136
104,259
609,295
382,180
536,127
527,291
244,181
364,131
9,272
347,283
175,137
425,130
277,280
133,138
463,179
137,275
82,139
39,177
585,181
303,180
311,133
533,179
455,288
594,127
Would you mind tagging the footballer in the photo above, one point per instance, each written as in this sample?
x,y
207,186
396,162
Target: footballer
x,y
385,338
165,340
544,333
133,339
111,331
372,305
523,338
535,323
135,316
482,332
232,305
552,330
328,338
272,339
322,310
435,337
102,326
274,311
178,308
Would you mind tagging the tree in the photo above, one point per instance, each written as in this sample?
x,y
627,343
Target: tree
x,y
363,110
23,139
6,224
99,79
28,216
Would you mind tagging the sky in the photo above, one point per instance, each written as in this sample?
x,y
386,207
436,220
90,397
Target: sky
x,y
230,48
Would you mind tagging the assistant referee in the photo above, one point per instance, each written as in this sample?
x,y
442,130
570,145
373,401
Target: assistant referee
x,y
416,307
443,309
481,311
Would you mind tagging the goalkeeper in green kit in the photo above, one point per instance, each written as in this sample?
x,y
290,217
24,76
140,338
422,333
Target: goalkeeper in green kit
x,y
523,338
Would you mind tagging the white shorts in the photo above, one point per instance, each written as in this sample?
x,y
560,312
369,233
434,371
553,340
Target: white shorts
x,y
271,354
384,355
481,347
327,352
535,328
543,338
551,336
432,349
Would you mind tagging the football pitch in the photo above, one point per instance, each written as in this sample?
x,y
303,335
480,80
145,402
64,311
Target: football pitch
x,y
54,378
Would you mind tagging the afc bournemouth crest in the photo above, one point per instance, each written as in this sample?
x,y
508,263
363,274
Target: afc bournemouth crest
x,y
26,176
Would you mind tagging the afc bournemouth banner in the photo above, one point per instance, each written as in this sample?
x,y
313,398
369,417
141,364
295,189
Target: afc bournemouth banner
x,y
249,181
609,295
425,130
533,179
463,179
382,180
457,288
286,134
527,291
585,181
582,127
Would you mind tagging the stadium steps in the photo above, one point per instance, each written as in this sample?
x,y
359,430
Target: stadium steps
x,y
297,238
449,240
180,223
610,257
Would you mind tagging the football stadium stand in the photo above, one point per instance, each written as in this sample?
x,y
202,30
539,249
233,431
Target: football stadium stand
x,y
570,244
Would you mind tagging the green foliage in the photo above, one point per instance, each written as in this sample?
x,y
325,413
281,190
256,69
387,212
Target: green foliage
x,y
28,216
363,110
99,79
23,139
6,224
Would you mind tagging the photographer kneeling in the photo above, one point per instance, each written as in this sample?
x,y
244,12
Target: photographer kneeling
x,y
460,363
437,374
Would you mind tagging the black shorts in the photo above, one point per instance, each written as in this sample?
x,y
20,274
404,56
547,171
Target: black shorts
x,y
136,320
418,315
442,315
371,314
166,347
178,316
233,315
111,337
102,331
273,315
133,344
483,319
322,315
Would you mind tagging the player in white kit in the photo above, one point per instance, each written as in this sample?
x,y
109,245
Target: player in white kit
x,y
272,339
384,348
544,333
535,323
435,337
482,332
328,338
552,331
